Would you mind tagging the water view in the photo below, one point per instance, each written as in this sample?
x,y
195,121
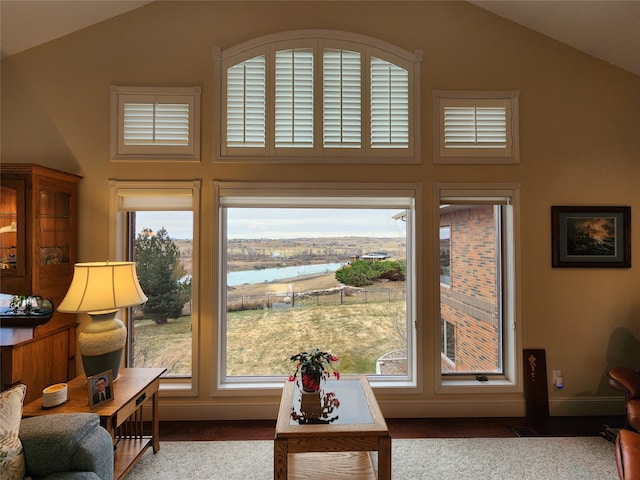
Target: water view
x,y
269,274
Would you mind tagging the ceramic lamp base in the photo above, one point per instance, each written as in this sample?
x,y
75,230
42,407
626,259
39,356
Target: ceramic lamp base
x,y
95,364
101,344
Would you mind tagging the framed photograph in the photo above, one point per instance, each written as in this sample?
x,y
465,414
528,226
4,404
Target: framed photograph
x,y
591,237
100,388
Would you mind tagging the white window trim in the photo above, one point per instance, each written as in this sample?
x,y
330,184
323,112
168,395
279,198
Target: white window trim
x,y
188,95
369,46
118,189
256,386
510,381
507,98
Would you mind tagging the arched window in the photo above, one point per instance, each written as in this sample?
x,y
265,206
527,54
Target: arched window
x,y
307,95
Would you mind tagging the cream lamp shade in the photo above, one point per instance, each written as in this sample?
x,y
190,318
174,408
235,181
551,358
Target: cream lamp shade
x,y
101,289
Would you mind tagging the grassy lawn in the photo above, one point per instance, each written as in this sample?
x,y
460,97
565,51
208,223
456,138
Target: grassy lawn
x,y
260,342
167,345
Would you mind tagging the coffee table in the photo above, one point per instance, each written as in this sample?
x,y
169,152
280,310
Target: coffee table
x,y
334,441
121,417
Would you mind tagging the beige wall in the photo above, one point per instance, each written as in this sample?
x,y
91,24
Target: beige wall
x,y
579,145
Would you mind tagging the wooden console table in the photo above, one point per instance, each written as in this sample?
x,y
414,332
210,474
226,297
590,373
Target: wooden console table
x,y
122,417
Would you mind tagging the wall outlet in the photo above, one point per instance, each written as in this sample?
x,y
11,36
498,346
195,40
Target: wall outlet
x,y
558,381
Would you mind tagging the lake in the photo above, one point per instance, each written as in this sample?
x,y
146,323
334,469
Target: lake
x,y
270,274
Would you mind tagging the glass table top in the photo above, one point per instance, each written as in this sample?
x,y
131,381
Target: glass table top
x,y
338,402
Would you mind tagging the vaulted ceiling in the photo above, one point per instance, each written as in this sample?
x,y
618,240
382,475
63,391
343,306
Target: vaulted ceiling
x,y
607,29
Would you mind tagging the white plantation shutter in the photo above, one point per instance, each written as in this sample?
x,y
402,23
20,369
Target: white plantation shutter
x,y
246,100
342,93
294,98
476,127
389,105
155,122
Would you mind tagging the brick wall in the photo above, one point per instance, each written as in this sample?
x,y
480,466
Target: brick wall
x,y
470,303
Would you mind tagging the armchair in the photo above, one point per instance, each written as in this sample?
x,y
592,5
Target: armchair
x,y
627,381
51,447
67,446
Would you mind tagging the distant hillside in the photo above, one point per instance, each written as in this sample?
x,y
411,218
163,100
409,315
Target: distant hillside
x,y
248,254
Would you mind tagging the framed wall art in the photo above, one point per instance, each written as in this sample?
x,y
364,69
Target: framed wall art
x,y
591,237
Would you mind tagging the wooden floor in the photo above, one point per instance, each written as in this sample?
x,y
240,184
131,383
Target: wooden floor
x,y
403,428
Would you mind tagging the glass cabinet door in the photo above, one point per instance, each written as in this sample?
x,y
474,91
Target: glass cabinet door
x,y
54,225
12,226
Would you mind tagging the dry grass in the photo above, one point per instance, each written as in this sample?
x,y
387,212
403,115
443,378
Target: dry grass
x,y
260,342
167,345
321,281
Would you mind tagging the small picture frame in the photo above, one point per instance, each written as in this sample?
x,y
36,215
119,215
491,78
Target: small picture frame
x,y
100,388
591,237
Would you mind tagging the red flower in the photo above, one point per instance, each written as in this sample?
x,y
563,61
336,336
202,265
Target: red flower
x,y
315,364
309,383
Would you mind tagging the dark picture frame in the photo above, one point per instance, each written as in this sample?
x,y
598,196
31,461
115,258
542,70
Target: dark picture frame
x,y
95,384
591,237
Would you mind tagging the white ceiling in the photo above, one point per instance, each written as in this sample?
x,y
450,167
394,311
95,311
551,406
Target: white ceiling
x,y
28,23
607,29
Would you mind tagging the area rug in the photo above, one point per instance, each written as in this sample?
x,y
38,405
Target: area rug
x,y
566,458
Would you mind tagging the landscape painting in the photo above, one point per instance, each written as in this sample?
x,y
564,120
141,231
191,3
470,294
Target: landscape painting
x,y
591,237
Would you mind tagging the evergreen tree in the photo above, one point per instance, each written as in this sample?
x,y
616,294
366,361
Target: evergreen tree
x,y
159,272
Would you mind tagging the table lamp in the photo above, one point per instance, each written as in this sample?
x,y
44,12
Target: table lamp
x,y
101,289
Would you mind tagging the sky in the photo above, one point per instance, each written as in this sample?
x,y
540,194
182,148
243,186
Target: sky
x,y
285,223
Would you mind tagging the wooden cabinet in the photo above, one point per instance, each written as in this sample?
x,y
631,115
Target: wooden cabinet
x,y
38,249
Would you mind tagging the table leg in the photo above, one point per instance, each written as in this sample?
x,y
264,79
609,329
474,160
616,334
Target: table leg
x,y
280,459
155,423
384,458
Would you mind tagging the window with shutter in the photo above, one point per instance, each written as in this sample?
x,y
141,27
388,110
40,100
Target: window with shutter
x,y
155,123
476,127
342,106
389,105
318,94
294,98
246,103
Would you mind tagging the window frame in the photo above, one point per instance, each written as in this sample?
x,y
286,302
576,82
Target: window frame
x,y
225,386
510,380
476,99
446,284
146,95
119,246
318,39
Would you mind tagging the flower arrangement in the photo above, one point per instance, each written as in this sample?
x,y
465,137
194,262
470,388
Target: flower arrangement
x,y
313,366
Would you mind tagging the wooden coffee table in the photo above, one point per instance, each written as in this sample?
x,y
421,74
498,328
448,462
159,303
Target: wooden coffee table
x,y
122,417
312,442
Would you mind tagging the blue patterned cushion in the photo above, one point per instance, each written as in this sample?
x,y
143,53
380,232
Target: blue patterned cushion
x,y
11,455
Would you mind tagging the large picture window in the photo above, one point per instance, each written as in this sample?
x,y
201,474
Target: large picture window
x,y
316,266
